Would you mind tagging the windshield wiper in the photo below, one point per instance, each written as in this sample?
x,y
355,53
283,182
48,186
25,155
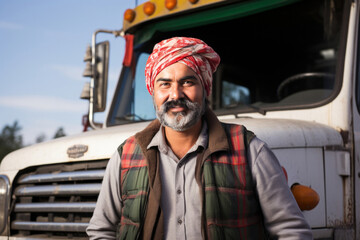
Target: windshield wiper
x,y
131,118
256,108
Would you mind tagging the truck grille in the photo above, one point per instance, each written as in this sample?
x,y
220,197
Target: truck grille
x,y
56,201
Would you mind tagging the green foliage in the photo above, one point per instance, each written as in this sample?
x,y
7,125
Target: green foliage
x,y
10,139
59,133
40,138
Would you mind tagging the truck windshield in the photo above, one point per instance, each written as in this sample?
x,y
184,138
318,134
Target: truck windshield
x,y
286,57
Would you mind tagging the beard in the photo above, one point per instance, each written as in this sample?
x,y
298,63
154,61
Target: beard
x,y
180,121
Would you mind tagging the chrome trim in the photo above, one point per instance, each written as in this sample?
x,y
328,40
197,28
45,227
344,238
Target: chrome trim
x,y
49,226
64,176
56,201
82,207
55,190
4,216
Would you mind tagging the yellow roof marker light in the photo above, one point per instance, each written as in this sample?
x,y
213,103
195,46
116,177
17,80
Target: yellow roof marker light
x,y
129,15
149,8
154,9
170,4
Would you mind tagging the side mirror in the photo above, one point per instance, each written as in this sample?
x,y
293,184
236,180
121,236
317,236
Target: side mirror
x,y
97,67
98,70
101,76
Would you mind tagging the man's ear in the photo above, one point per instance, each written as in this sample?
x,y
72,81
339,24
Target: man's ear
x,y
206,98
153,99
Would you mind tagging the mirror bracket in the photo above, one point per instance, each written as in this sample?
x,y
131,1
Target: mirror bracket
x,y
97,99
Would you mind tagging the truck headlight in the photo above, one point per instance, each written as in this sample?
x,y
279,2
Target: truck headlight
x,y
4,201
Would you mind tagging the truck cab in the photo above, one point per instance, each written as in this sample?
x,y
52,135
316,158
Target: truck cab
x,y
289,72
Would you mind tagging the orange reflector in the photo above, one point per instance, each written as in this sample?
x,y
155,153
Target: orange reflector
x,y
149,8
306,198
129,15
170,4
193,1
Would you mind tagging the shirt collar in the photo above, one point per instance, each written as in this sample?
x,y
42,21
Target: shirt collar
x,y
160,142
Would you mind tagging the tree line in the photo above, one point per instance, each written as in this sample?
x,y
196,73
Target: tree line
x,y
11,138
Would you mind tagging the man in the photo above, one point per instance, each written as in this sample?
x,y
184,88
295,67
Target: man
x,y
188,176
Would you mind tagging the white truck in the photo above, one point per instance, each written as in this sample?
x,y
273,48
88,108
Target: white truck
x,y
290,72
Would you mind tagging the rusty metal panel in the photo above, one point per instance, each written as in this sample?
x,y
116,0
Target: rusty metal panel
x,y
339,203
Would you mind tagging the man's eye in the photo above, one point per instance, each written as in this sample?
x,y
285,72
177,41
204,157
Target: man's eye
x,y
188,83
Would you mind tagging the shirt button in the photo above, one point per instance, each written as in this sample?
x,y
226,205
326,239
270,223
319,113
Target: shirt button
x,y
178,191
179,221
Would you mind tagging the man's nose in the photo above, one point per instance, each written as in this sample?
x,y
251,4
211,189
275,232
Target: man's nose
x,y
176,92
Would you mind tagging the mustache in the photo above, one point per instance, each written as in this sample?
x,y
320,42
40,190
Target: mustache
x,y
182,102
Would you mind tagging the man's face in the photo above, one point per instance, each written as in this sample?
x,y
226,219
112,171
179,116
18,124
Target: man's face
x,y
178,97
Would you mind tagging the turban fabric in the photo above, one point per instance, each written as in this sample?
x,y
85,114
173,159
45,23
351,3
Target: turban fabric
x,y
192,52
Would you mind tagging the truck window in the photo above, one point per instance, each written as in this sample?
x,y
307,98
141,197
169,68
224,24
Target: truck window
x,y
357,84
234,94
143,103
286,56
132,102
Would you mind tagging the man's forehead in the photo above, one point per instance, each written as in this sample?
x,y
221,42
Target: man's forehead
x,y
178,70
187,77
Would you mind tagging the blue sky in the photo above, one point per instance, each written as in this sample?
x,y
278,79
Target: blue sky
x,y
42,46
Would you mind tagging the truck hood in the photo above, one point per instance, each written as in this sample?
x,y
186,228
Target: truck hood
x,y
101,144
285,133
91,145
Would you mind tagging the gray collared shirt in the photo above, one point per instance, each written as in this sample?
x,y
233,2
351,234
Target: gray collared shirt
x,y
181,209
180,198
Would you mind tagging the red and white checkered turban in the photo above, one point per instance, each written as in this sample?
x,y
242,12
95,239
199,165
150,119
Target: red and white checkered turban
x,y
192,52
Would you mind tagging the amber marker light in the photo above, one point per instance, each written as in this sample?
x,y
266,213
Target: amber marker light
x,y
170,4
129,15
193,1
306,198
149,8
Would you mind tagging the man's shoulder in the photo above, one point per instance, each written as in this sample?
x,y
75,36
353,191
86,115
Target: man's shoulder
x,y
239,129
129,141
143,137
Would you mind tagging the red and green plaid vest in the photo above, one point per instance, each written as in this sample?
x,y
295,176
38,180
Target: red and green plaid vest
x,y
230,207
134,189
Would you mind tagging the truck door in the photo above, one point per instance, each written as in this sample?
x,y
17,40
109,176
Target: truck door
x,y
356,124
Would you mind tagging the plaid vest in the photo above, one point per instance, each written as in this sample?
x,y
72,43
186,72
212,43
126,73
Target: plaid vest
x,y
134,190
230,206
